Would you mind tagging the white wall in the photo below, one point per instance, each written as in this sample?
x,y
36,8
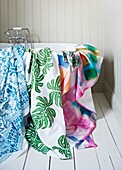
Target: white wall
x,y
57,21
113,55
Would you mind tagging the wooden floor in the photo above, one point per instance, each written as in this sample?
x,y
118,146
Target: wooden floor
x,y
107,156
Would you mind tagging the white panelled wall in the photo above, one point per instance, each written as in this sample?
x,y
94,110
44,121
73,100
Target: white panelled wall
x,y
97,22
55,20
113,56
70,21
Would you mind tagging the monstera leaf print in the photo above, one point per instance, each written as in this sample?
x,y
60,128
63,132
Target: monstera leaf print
x,y
64,147
43,116
34,140
44,58
56,92
36,81
40,62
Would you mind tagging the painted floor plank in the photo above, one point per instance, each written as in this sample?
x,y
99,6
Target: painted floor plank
x,y
36,161
16,164
106,156
57,164
102,132
111,120
102,136
104,159
86,159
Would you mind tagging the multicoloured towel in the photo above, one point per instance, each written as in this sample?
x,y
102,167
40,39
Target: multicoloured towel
x,y
79,71
14,102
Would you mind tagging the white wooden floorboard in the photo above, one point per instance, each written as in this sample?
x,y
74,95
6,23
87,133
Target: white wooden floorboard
x,y
107,156
57,164
102,154
16,164
36,161
86,159
110,118
104,139
104,159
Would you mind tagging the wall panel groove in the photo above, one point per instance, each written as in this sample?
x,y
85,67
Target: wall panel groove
x,y
70,21
20,13
85,21
4,19
61,21
113,55
55,20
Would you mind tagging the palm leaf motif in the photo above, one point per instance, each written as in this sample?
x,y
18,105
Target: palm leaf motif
x,y
36,77
64,147
43,116
56,93
44,58
34,140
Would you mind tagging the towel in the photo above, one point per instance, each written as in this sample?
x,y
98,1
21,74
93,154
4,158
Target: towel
x,y
79,71
46,132
14,103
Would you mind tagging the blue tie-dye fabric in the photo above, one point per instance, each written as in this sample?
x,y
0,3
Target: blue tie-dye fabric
x,y
14,100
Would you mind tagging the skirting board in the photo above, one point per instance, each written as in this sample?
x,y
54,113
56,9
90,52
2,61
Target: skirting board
x,y
98,87
114,102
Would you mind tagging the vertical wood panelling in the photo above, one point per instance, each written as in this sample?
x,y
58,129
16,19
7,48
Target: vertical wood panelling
x,y
12,7
60,20
77,21
44,21
52,20
114,43
120,59
118,45
28,15
36,21
69,20
100,28
109,44
93,22
4,19
85,21
113,53
20,13
101,25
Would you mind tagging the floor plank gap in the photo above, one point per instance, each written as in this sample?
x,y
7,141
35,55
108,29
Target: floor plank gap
x,y
109,127
26,158
107,156
111,162
74,159
49,167
97,159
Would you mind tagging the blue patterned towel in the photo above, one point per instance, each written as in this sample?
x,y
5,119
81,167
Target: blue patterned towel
x,y
14,101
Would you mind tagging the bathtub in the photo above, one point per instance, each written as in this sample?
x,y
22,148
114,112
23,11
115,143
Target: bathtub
x,y
58,47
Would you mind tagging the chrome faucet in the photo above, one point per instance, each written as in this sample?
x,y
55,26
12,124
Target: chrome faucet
x,y
17,34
